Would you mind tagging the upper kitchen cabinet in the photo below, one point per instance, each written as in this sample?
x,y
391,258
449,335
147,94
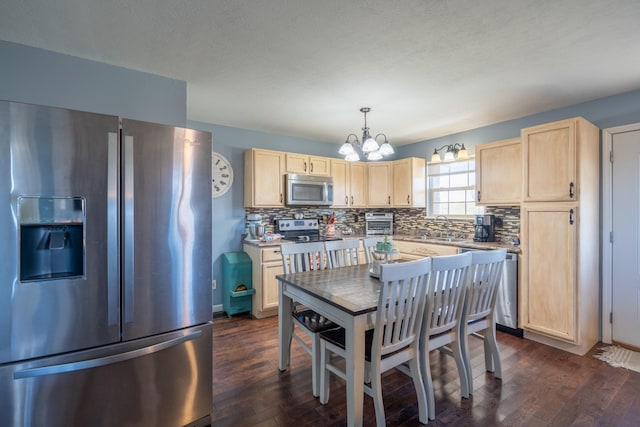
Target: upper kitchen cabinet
x,y
409,182
263,178
380,182
551,153
349,183
499,173
307,165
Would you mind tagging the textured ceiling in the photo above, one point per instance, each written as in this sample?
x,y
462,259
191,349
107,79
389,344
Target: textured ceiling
x,y
304,68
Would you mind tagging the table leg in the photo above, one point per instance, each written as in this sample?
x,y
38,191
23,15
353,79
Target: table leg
x,y
285,328
354,334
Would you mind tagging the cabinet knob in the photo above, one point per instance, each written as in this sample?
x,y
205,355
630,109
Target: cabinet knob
x,y
388,200
478,195
571,216
571,185
346,200
352,200
311,167
305,166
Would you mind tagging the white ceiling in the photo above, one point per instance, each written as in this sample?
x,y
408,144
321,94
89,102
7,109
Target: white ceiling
x,y
304,68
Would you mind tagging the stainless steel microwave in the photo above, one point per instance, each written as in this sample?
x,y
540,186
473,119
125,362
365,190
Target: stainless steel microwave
x,y
309,190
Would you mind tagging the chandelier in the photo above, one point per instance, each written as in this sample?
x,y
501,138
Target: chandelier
x,y
454,151
369,146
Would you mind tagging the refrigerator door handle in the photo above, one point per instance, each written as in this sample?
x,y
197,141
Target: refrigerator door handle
x,y
129,262
103,361
113,239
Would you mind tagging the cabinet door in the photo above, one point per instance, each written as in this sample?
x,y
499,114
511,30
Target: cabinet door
x,y
319,165
297,163
265,180
270,284
549,167
499,173
358,185
380,186
340,175
548,293
409,183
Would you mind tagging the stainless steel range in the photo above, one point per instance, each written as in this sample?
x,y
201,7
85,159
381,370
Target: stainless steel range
x,y
301,230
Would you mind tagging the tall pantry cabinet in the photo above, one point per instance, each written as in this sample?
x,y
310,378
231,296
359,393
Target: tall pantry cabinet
x,y
559,280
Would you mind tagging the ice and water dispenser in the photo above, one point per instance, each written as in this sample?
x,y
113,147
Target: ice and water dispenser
x,y
52,244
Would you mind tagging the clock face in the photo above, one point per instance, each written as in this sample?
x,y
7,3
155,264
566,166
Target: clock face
x,y
221,173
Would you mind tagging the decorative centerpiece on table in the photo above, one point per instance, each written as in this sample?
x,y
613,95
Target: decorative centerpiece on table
x,y
383,254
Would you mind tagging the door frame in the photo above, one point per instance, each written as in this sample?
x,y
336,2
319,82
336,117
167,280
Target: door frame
x,y
607,226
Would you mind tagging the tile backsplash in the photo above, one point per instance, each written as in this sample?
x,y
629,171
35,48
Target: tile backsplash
x,y
406,221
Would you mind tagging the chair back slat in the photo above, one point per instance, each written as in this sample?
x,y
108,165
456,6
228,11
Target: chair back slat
x,y
445,294
297,257
369,245
342,253
400,305
486,273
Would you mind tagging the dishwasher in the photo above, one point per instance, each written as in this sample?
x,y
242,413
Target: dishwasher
x,y
506,313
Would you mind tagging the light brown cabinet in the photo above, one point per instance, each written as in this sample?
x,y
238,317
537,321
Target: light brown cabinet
x,y
264,178
550,287
349,183
559,284
409,183
499,173
307,165
380,183
550,159
266,265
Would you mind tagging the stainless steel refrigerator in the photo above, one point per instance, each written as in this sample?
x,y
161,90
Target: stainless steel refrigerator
x,y
105,271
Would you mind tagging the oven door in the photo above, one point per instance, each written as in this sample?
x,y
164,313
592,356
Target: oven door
x,y
307,190
379,227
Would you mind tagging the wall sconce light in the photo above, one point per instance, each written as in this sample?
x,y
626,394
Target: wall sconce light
x,y
454,151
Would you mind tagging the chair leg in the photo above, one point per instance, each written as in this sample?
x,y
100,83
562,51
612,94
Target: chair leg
x,y
324,373
315,364
414,368
464,347
376,394
456,348
491,347
425,367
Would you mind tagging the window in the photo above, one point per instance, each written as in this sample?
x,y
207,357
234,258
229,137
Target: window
x,y
451,188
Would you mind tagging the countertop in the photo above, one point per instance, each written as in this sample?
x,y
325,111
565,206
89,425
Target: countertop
x,y
470,244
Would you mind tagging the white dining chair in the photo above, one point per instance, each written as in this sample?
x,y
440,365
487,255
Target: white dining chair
x,y
298,257
443,316
394,339
479,306
342,253
369,245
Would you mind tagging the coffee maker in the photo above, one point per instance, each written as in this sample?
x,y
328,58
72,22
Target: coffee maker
x,y
484,228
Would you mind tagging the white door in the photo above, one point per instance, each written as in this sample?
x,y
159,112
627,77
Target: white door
x,y
625,252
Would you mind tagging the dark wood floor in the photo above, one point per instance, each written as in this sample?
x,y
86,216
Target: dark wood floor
x,y
541,386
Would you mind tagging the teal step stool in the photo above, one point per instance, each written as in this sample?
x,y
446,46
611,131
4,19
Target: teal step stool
x,y
237,287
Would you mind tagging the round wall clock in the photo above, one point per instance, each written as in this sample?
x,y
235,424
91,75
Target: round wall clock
x,y
221,173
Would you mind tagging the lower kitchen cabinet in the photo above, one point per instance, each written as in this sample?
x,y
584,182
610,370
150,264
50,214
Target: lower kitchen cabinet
x,y
267,264
559,278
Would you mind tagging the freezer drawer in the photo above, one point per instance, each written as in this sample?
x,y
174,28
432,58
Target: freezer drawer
x,y
165,380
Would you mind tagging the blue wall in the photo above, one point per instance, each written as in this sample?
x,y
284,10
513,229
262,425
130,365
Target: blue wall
x,y
37,76
604,112
228,209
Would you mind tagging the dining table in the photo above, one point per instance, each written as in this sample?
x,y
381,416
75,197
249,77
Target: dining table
x,y
349,297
